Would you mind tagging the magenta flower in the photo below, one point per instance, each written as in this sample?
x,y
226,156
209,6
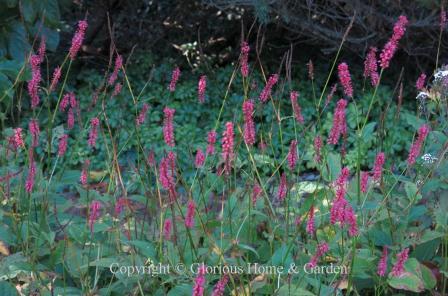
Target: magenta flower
x,y
382,264
151,159
117,89
95,208
200,159
339,123
244,59
93,134
310,224
56,76
227,147
199,282
84,173
33,84
345,79
364,181
266,92
417,145
282,188
33,126
317,148
29,183
249,125
211,141
78,39
321,250
295,107
220,286
331,94
119,205
117,67
378,166
142,115
402,257
391,46
167,229
73,102
371,67
168,128
256,192
420,84
167,170
202,84
42,48
189,217
18,138
292,155
174,78
62,147
65,101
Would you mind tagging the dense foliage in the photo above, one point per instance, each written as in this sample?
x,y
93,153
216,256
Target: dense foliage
x,y
113,183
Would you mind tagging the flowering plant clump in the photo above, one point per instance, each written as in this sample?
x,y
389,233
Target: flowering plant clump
x,y
146,189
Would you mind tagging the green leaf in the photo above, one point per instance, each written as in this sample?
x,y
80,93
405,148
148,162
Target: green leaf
x,y
146,248
181,290
18,46
28,10
293,290
7,289
5,84
407,281
248,248
428,277
412,191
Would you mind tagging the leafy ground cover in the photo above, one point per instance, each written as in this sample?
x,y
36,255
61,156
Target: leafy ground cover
x,y
241,182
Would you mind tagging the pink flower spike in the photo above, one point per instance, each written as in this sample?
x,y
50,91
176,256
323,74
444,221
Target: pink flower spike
x,y
62,148
78,39
189,217
168,128
142,115
174,78
282,188
93,134
117,89
119,205
167,229
310,226
29,183
378,166
418,143
364,181
391,46
345,79
266,92
402,257
64,102
295,107
84,173
95,208
244,59
200,159
202,84
321,250
35,132
211,141
249,125
199,282
339,123
371,67
227,147
117,67
220,286
18,138
256,192
420,84
56,76
292,155
382,264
